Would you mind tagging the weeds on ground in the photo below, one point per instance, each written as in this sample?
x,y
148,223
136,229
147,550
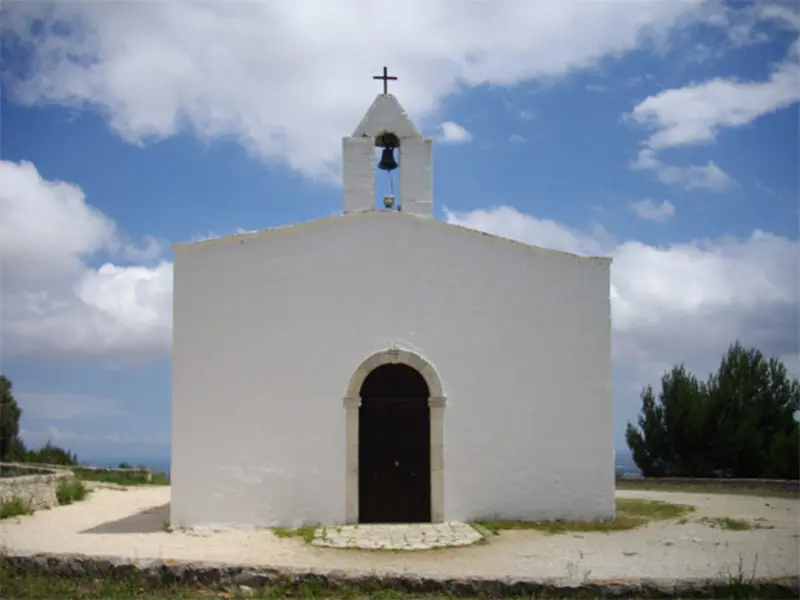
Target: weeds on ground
x,y
29,586
306,533
741,584
630,514
731,524
16,507
71,491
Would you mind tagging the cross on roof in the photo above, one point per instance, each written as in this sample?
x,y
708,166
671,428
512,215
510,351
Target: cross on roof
x,y
386,77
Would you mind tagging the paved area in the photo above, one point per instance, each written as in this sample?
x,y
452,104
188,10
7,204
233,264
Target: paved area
x,y
130,523
397,537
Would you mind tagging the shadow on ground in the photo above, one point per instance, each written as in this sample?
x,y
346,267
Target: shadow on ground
x,y
147,521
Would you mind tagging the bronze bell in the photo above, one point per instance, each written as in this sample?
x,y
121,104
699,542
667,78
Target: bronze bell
x,y
387,163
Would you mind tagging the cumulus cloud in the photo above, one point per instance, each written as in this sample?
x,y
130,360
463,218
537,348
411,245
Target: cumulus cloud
x,y
709,176
54,300
698,112
45,226
650,211
453,133
287,88
782,14
680,302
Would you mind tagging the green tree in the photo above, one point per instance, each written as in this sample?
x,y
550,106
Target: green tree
x,y
754,402
672,439
740,423
9,421
52,455
12,448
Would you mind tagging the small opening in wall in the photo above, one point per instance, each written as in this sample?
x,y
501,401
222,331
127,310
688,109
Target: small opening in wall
x,y
386,182
387,138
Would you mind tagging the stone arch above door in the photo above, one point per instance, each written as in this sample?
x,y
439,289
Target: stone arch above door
x,y
395,356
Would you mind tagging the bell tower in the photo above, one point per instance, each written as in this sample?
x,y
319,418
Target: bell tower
x,y
386,125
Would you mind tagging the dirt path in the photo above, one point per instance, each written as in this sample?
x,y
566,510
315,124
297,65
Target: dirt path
x,y
131,523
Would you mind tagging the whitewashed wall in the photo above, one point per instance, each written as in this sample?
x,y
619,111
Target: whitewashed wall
x,y
268,329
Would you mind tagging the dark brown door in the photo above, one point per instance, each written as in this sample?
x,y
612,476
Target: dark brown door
x,y
394,473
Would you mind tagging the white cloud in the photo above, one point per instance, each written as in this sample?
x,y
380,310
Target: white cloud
x,y
152,249
681,302
287,88
650,211
697,112
45,226
54,301
516,138
453,133
782,14
709,176
510,223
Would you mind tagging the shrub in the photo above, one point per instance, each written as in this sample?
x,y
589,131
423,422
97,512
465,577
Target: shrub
x,y
71,491
16,507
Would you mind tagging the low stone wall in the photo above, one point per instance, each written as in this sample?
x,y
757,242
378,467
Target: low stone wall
x,y
37,490
780,485
146,472
248,579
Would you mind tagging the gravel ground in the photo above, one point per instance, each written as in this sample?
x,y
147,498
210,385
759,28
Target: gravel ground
x,y
130,523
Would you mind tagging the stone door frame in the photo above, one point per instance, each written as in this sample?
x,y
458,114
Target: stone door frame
x,y
436,404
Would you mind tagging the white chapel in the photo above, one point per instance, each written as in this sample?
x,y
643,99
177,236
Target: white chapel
x,y
380,366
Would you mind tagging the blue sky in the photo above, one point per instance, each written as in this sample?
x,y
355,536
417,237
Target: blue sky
x,y
663,134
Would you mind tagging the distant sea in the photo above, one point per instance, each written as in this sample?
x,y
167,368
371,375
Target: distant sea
x,y
624,463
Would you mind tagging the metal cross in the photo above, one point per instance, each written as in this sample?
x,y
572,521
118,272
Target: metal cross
x,y
386,77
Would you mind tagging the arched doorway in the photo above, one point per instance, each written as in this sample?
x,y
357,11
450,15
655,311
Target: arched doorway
x,y
394,446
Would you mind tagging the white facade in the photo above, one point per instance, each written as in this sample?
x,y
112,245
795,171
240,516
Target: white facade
x,y
274,332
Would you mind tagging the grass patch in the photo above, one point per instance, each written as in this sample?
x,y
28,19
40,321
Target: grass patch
x,y
730,524
630,514
16,507
707,488
28,586
305,533
71,491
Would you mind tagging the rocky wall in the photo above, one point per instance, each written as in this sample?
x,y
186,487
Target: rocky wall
x,y
37,490
246,580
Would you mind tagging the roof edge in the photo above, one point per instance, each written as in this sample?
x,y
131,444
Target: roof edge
x,y
366,214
